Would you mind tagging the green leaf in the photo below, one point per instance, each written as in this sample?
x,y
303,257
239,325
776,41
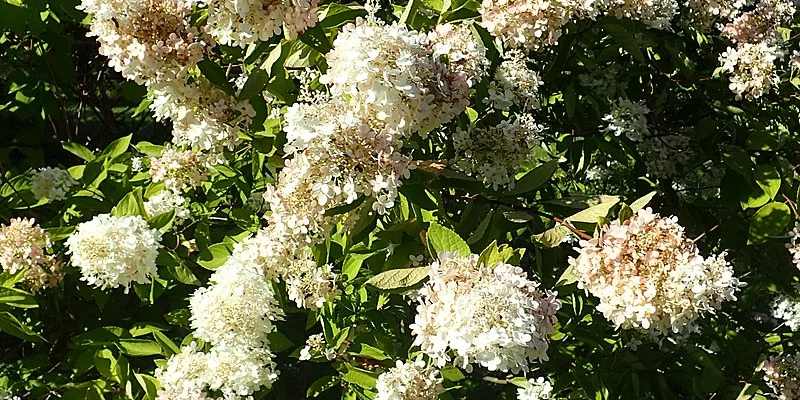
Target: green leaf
x,y
139,347
360,377
441,239
149,384
256,81
568,277
79,150
316,38
117,147
352,264
345,208
642,202
131,204
216,75
552,237
534,179
321,385
452,373
770,220
213,256
399,278
624,39
368,351
768,178
738,160
17,298
591,214
12,326
494,254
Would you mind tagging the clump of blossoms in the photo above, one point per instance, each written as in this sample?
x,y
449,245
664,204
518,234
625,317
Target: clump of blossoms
x,y
490,315
655,13
400,80
782,374
794,244
514,83
237,309
752,68
706,11
668,155
52,183
280,256
149,41
527,24
203,116
166,201
316,346
758,46
535,389
409,381
787,309
338,156
24,246
494,153
649,276
244,22
179,169
628,118
115,251
233,371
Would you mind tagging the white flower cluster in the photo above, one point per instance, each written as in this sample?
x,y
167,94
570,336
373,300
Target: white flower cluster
x,y
337,158
153,43
528,24
52,183
668,155
536,389
149,41
235,314
706,11
787,309
649,276
166,201
203,116
533,24
409,381
400,80
179,169
244,22
514,83
758,46
280,256
494,153
115,251
655,13
316,346
490,315
24,245
234,372
606,81
628,118
794,244
752,68
782,374
237,309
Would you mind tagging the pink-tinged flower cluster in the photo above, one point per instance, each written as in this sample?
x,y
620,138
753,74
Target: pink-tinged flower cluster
x,y
794,244
244,22
179,169
400,80
782,374
149,41
24,246
649,276
490,315
757,46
